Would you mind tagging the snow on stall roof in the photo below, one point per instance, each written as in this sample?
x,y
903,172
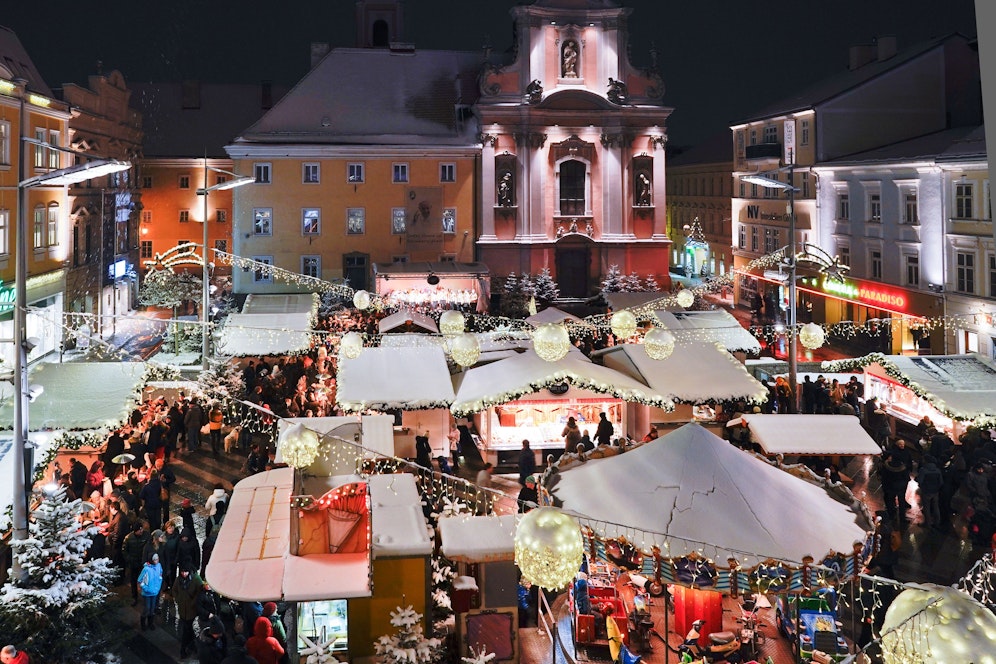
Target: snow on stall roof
x,y
79,395
265,334
550,315
810,434
410,340
388,378
478,539
963,385
398,524
716,325
399,318
694,485
695,372
290,303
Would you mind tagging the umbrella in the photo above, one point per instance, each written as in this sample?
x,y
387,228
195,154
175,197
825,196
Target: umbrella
x,y
123,459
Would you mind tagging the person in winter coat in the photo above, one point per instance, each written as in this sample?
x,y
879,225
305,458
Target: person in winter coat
x,y
423,450
131,550
151,497
572,436
250,612
186,515
603,434
930,479
153,546
527,462
237,654
279,631
262,645
150,581
188,551
215,419
193,421
217,497
11,655
185,590
211,647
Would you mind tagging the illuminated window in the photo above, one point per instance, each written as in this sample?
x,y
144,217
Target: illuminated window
x,y
39,227
356,221
4,232
261,275
910,208
354,172
447,172
4,142
399,173
184,216
965,272
262,221
964,200
221,216
753,136
262,173
52,225
184,182
913,271
311,221
145,249
40,150
311,266
310,174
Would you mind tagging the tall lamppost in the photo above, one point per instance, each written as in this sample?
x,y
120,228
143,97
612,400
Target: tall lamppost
x,y
235,181
95,168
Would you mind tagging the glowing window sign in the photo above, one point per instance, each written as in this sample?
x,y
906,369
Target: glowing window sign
x,y
7,297
865,293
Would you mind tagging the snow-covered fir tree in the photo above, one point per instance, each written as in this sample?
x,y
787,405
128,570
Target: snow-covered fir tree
x,y
169,289
57,609
481,656
409,645
527,286
443,574
223,382
513,298
546,287
632,283
613,280
650,284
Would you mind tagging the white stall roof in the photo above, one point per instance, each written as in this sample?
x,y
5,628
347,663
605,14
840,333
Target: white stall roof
x,y
617,301
399,318
478,539
550,315
78,395
696,372
810,434
715,325
697,489
265,334
410,340
294,303
398,525
962,386
388,378
351,438
508,379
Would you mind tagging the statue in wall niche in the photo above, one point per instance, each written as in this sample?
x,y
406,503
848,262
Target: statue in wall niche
x,y
643,190
569,60
618,92
534,91
505,196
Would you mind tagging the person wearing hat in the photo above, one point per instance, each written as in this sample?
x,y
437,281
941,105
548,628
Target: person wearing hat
x,y
528,495
262,645
897,464
11,655
132,550
151,582
237,654
279,631
187,514
211,644
185,590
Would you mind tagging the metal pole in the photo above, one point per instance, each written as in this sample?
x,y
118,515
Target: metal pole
x,y
205,295
792,331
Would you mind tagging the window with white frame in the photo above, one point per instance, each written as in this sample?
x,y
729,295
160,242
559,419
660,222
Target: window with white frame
x,y
145,249
262,173
771,134
912,270
911,208
184,182
262,221
742,237
753,238
311,266
146,216
311,221
740,144
53,155
354,172
573,183
843,205
965,272
260,274
992,275
449,220
356,221
805,185
221,216
844,254
40,150
4,232
804,132
770,240
447,172
310,173
184,216
753,136
399,172
4,142
875,263
398,221
875,207
964,200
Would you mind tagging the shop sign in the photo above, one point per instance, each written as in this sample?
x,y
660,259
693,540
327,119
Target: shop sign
x,y
865,293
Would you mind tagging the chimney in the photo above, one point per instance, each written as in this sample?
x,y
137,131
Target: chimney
x,y
886,47
860,55
318,51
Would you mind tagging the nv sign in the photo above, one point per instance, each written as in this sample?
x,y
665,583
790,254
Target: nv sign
x,y
753,212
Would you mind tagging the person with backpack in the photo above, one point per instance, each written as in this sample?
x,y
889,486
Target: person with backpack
x,y
217,498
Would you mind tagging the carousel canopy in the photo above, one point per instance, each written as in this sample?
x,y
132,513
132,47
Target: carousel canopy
x,y
809,434
478,539
695,490
696,372
266,334
388,378
716,325
400,318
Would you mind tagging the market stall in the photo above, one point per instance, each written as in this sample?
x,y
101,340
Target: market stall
x,y
808,435
270,325
714,325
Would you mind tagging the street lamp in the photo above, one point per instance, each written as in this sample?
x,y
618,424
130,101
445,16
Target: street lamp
x,y
23,464
235,181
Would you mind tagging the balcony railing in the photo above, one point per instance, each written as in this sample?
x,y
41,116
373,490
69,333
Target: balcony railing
x,y
763,151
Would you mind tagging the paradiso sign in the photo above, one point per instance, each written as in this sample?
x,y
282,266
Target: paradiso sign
x,y
865,293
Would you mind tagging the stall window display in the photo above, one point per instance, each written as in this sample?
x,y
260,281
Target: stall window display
x,y
543,423
323,622
902,402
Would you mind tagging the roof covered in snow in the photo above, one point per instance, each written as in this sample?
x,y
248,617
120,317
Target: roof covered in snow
x,y
715,325
387,378
400,318
265,334
550,315
287,303
810,434
478,539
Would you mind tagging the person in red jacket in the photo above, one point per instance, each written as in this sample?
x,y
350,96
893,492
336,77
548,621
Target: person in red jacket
x,y
262,645
11,655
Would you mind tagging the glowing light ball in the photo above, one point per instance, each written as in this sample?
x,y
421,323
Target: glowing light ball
x,y
465,349
361,300
351,345
298,446
685,297
954,628
812,336
548,547
451,322
623,324
659,343
551,341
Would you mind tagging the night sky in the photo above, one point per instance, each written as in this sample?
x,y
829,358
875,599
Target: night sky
x,y
721,59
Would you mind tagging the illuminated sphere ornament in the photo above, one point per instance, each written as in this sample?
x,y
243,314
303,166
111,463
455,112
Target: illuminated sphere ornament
x,y
623,324
361,300
933,624
551,341
451,322
659,343
465,349
812,336
298,446
351,345
685,297
548,547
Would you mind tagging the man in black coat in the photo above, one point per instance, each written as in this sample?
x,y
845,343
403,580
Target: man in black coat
x,y
603,434
237,653
151,497
77,477
115,446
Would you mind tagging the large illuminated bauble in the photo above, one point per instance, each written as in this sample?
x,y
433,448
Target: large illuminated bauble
x,y
685,298
451,322
298,446
623,324
351,345
548,547
934,623
464,349
361,299
659,343
551,341
812,336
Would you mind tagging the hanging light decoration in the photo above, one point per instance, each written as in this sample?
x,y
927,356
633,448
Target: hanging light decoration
x,y
351,345
659,343
685,298
812,336
623,324
298,446
464,349
551,341
451,322
361,300
548,547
